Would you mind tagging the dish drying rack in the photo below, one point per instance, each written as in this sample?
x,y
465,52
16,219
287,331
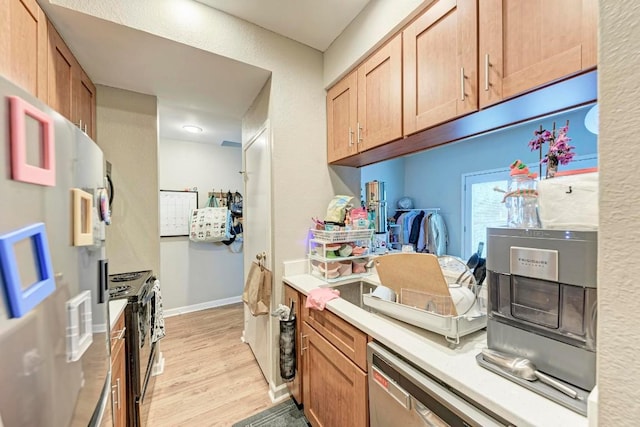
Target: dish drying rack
x,y
432,312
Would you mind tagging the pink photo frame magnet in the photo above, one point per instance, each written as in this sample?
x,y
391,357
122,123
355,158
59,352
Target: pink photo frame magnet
x,y
20,169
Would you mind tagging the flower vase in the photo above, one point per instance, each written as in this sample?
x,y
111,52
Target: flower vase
x,y
552,167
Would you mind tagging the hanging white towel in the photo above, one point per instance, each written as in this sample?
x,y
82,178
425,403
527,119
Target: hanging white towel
x,y
158,316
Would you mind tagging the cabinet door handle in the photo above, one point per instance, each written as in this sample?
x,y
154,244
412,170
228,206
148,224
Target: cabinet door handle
x,y
486,72
114,394
350,136
461,83
118,385
302,348
120,333
359,133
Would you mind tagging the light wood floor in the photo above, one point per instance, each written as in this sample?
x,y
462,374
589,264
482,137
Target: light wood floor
x,y
210,377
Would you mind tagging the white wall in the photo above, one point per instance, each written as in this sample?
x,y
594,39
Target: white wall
x,y
198,273
128,136
364,34
392,174
619,232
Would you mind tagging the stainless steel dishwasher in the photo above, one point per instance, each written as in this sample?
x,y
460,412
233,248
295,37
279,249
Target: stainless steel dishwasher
x,y
402,395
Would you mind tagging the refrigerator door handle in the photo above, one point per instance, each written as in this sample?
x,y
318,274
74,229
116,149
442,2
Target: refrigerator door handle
x,y
103,284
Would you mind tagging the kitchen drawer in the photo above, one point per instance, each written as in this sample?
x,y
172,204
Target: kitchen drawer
x,y
351,341
118,333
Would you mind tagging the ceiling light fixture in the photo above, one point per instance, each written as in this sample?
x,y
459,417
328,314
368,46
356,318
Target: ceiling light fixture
x,y
192,128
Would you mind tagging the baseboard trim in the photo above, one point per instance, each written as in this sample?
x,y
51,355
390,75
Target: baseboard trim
x,y
279,393
202,306
158,367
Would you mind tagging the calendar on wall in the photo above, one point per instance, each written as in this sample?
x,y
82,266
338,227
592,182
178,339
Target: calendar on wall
x,y
175,211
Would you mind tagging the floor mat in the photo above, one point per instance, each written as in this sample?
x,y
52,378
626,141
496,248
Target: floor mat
x,y
285,414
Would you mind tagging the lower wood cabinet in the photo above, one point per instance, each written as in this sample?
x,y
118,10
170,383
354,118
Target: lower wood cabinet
x,y
331,381
119,374
335,389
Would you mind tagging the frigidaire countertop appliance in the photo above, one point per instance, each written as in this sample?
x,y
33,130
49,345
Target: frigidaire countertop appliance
x,y
376,202
543,306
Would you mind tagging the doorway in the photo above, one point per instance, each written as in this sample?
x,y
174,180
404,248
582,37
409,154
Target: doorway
x,y
257,236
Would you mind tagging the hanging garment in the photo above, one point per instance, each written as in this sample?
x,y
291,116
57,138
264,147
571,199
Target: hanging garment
x,y
400,222
438,238
408,221
415,229
424,233
158,316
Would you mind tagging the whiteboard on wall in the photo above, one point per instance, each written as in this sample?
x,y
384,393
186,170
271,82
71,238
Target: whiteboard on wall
x,y
175,210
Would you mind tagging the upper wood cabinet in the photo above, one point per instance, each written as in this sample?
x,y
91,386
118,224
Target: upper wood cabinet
x,y
364,110
380,96
62,65
342,118
23,45
71,92
84,92
527,43
440,64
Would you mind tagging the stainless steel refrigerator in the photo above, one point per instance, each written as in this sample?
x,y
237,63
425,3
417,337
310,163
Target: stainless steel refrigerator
x,y
54,352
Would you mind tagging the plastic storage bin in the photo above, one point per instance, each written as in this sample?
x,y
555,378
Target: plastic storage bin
x,y
339,255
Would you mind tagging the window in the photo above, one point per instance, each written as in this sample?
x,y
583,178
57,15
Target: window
x,y
483,207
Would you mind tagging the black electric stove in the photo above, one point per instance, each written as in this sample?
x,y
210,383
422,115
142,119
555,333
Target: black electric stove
x,y
129,285
136,287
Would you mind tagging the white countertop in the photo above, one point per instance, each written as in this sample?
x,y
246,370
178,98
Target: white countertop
x,y
456,367
115,308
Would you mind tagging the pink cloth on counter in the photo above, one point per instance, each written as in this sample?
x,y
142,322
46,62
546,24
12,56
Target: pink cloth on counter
x,y
319,297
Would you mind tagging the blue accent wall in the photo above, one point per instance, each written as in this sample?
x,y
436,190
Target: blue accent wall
x,y
433,178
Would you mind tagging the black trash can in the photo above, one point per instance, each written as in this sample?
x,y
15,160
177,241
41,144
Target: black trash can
x,y
288,349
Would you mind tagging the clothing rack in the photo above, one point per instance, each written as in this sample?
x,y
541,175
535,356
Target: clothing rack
x,y
424,209
430,245
221,196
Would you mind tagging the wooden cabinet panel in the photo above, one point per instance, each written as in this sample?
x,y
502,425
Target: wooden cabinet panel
x,y
295,386
527,43
342,120
117,333
440,64
23,45
380,96
364,110
335,390
119,374
62,65
84,93
343,335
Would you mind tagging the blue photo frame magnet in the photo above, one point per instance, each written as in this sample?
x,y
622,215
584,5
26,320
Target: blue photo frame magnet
x,y
20,300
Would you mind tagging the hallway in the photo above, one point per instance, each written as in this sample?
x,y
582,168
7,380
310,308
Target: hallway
x,y
210,376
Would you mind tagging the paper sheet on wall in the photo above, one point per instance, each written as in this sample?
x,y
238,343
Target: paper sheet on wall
x,y
175,210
